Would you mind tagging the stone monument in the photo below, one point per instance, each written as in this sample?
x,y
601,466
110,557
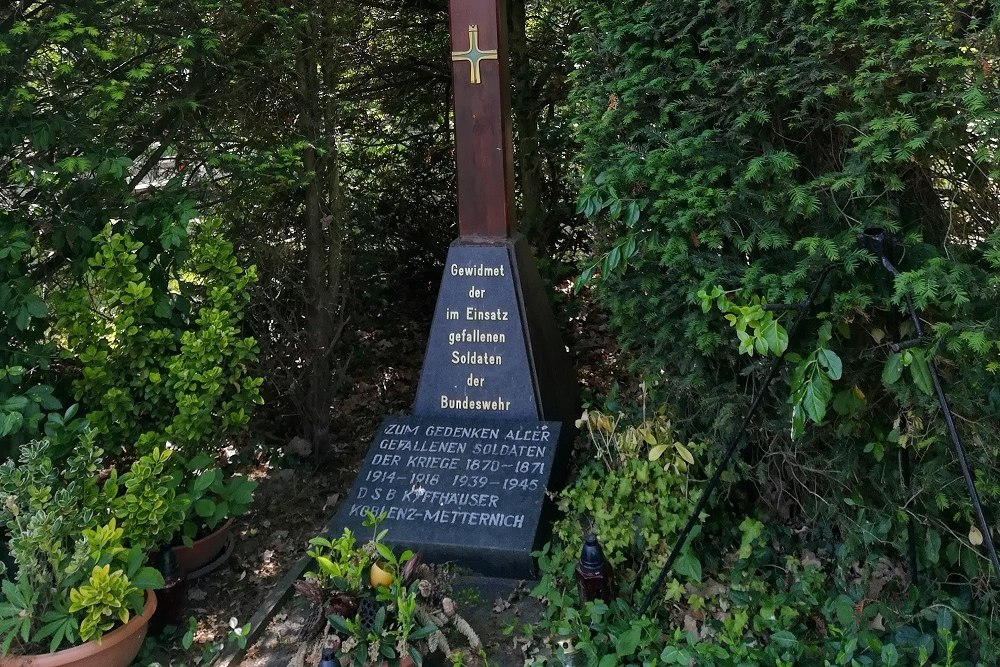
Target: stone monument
x,y
464,479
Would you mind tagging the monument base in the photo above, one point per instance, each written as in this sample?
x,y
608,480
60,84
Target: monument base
x,y
468,492
464,479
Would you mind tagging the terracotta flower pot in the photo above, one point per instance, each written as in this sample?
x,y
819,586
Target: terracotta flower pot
x,y
202,552
116,649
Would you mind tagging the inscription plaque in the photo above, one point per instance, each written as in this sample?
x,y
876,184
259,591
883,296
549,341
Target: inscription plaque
x,y
477,356
469,491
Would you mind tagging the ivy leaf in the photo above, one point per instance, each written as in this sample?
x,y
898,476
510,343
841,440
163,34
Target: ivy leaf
x,y
688,566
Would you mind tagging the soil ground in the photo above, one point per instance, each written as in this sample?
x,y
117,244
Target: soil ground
x,y
296,499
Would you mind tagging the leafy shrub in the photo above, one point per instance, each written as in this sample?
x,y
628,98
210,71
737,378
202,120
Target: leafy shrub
x,y
80,571
214,496
736,150
156,334
770,599
382,607
25,394
150,504
637,499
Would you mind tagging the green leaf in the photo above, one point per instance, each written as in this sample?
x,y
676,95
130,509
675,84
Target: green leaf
x,y
328,567
776,337
385,552
920,372
944,619
204,508
203,481
688,566
784,639
844,609
36,307
339,624
628,642
798,421
199,461
893,369
148,577
932,546
829,360
422,632
817,396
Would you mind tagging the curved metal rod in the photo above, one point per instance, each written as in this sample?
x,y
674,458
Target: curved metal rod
x,y
877,241
731,448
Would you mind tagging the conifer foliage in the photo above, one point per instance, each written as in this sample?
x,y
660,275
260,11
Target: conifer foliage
x,y
734,151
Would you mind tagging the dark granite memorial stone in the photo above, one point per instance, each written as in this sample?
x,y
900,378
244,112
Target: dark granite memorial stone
x,y
494,351
477,360
464,491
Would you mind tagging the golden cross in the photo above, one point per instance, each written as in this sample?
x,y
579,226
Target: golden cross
x,y
474,56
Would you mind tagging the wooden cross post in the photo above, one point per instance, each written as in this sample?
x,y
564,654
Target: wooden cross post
x,y
482,119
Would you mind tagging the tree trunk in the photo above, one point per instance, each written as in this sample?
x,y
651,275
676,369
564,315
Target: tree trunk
x,y
323,214
527,108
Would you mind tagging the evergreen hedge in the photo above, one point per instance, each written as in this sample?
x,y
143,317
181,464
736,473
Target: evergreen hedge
x,y
734,152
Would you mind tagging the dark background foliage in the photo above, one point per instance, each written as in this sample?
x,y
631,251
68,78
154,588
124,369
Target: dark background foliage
x,y
747,145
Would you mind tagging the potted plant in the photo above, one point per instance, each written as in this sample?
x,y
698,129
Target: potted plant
x,y
395,616
155,332
215,499
79,534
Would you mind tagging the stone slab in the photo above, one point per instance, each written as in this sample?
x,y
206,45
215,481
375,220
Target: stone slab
x,y
477,361
467,491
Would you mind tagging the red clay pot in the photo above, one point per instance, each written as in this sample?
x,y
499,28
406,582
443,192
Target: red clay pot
x,y
116,649
204,551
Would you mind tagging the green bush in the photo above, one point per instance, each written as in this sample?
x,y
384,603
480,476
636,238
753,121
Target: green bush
x,y
80,543
26,394
156,335
736,150
742,593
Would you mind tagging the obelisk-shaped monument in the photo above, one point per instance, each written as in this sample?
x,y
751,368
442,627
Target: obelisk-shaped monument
x,y
464,478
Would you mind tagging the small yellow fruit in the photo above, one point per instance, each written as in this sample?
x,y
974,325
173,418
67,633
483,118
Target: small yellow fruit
x,y
379,577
